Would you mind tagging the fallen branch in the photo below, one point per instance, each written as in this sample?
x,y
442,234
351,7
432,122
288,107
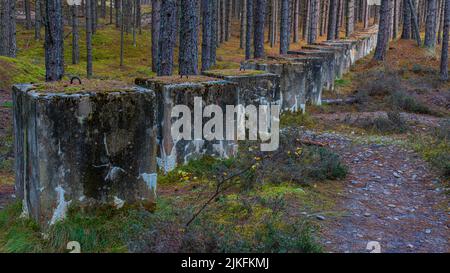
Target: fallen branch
x,y
349,100
311,142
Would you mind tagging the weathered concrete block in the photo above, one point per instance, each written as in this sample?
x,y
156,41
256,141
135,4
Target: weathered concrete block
x,y
292,80
313,71
328,64
89,144
350,51
341,59
255,87
172,91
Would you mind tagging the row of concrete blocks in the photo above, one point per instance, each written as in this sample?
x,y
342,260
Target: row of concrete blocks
x,y
104,147
305,73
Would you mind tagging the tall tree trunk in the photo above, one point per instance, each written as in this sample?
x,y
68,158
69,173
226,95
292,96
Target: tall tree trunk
x,y
103,8
94,15
156,24
441,20
296,20
273,22
88,14
284,27
27,7
167,37
306,15
383,32
188,49
350,18
207,30
444,54
122,32
37,19
228,8
214,28
111,7
406,33
260,16
117,4
315,8
415,23
249,35
75,35
338,18
431,24
365,11
332,20
243,24
8,45
54,41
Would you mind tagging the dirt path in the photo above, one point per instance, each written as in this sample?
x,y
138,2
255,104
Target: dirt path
x,y
391,197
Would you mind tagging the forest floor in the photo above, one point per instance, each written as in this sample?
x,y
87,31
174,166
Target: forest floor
x,y
394,141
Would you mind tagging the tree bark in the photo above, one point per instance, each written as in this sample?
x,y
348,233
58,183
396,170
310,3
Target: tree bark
x,y
228,8
214,29
383,32
260,16
8,45
315,8
444,54
248,36
431,24
243,24
54,41
296,20
188,49
88,14
167,37
350,18
75,35
207,30
284,27
406,33
156,24
27,7
331,33
338,19
37,20
414,19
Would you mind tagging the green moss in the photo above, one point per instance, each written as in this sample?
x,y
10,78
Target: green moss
x,y
297,119
18,71
234,72
8,104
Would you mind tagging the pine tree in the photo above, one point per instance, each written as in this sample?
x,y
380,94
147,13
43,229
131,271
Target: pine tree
x,y
188,49
54,41
167,37
8,45
431,24
383,32
445,38
284,27
260,16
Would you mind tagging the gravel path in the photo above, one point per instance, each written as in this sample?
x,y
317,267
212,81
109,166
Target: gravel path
x,y
391,197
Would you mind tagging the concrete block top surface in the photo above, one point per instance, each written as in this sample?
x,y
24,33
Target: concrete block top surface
x,y
86,88
237,73
178,81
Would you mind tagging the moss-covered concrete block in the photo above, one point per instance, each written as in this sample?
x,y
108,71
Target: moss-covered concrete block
x,y
292,80
314,67
255,87
341,59
173,91
89,144
328,64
